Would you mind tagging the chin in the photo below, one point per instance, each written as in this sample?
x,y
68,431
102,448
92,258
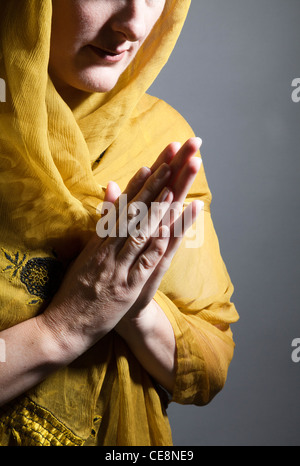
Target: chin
x,y
96,82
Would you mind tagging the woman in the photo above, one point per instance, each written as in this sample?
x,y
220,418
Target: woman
x,y
100,331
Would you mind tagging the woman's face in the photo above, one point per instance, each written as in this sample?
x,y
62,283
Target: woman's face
x,y
93,41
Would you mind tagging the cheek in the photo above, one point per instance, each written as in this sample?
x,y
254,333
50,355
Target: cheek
x,y
63,33
72,26
156,14
86,19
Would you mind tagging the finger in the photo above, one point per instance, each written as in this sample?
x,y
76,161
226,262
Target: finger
x,y
149,193
188,150
181,225
181,189
114,225
143,228
173,155
149,259
115,202
154,185
154,280
185,179
166,156
132,189
107,210
112,192
137,182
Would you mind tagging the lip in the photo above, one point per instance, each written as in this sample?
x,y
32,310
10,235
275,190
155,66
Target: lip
x,y
108,55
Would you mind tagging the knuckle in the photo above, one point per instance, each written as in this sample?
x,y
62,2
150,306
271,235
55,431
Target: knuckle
x,y
139,239
104,254
120,292
145,262
150,260
120,287
133,211
159,249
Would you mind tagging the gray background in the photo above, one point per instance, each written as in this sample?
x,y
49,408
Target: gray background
x,y
230,76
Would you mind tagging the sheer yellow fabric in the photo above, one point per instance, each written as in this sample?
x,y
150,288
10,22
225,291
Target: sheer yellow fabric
x,y
51,185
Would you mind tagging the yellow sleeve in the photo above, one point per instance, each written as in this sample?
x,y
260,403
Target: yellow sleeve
x,y
195,295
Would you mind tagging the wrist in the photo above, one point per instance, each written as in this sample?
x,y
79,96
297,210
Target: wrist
x,y
142,322
56,341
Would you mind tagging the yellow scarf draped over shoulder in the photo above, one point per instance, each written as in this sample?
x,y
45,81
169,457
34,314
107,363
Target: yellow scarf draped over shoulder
x,y
51,182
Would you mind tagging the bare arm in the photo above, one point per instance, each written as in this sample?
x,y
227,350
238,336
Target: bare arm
x,y
151,339
31,355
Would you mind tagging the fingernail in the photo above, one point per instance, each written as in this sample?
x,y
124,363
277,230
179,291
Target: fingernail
x,y
144,172
199,140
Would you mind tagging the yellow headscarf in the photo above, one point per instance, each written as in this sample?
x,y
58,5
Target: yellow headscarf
x,y
51,182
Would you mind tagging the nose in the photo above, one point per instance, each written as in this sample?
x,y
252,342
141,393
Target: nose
x,y
131,20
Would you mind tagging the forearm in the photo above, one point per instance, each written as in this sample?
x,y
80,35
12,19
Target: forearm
x,y
151,339
31,355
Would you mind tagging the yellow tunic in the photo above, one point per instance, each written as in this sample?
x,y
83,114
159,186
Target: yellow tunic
x,y
50,186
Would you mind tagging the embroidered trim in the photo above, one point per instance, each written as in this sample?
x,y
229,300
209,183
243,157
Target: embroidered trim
x,y
33,425
40,275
